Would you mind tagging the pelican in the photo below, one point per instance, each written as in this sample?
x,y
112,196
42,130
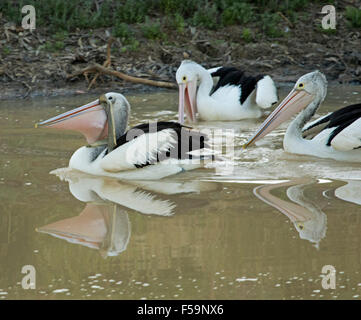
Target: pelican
x,y
235,96
146,152
336,135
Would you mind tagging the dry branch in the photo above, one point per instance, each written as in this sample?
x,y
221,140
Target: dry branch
x,y
105,69
100,69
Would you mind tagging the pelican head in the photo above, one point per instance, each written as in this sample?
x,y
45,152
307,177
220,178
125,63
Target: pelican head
x,y
313,230
106,117
311,87
187,78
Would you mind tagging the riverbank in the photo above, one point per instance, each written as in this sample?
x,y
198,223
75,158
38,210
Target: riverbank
x,y
39,63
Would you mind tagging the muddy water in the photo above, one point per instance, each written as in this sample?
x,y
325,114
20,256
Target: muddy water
x,y
263,230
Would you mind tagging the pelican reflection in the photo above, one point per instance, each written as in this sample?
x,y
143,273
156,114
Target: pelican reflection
x,y
104,224
307,215
350,192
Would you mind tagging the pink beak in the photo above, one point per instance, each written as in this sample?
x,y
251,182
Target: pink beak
x,y
89,119
292,104
187,101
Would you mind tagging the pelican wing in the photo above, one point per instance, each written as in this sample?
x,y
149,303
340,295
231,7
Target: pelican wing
x,y
266,92
148,144
315,127
349,138
139,151
215,78
213,70
344,126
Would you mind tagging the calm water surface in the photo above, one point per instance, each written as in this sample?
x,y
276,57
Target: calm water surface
x,y
263,230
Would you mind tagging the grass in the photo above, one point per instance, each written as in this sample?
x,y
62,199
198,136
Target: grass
x,y
207,17
178,23
152,30
122,30
247,35
6,51
53,46
60,35
270,25
237,13
61,17
327,31
353,15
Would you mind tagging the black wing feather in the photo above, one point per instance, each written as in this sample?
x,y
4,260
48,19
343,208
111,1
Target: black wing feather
x,y
236,77
339,120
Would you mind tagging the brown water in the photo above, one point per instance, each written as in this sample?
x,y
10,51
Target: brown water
x,y
262,231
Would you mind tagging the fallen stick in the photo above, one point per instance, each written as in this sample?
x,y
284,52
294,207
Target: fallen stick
x,y
105,69
100,69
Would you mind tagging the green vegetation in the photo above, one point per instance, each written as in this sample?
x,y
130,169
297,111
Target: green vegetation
x,y
270,23
247,35
178,23
60,35
126,35
353,16
152,30
61,16
207,17
51,46
237,13
6,51
327,31
122,30
131,11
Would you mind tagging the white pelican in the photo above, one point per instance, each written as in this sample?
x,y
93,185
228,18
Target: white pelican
x,y
336,135
145,152
234,97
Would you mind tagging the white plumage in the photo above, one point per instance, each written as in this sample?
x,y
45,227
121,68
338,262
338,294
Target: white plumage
x,y
349,138
229,95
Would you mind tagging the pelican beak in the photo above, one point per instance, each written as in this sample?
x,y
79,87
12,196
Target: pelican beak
x,y
292,104
187,101
89,119
109,110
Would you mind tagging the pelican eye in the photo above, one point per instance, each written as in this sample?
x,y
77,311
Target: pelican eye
x,y
184,79
112,100
301,86
301,226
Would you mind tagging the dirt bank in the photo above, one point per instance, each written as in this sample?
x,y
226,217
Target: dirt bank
x,y
39,63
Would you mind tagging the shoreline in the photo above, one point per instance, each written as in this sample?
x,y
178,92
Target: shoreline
x,y
19,91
